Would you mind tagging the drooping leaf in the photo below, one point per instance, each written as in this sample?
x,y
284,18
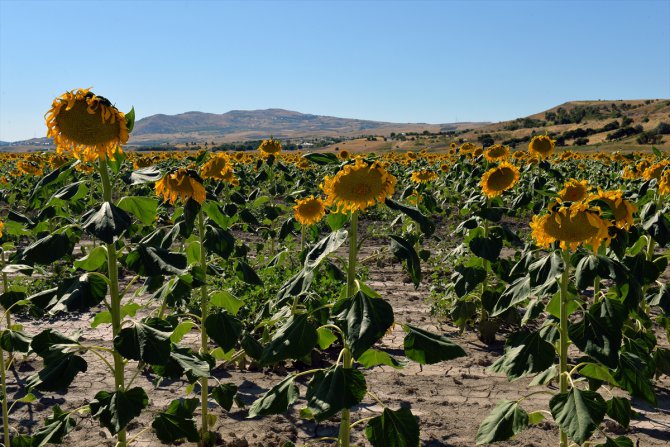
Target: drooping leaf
x,y
56,427
506,420
224,329
224,395
58,373
46,250
144,208
599,334
107,222
364,321
375,357
427,348
247,274
393,429
427,226
219,241
324,247
148,341
94,260
276,400
334,389
403,250
578,413
293,340
15,341
619,409
116,410
153,261
525,353
177,422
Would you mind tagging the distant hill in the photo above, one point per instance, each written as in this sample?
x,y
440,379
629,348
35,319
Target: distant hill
x,y
239,125
608,125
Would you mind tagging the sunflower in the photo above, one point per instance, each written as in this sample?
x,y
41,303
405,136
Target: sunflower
x,y
2,227
310,210
496,152
541,146
444,167
86,125
656,170
499,179
28,168
218,168
622,209
180,183
57,160
358,185
664,184
570,225
411,156
344,154
143,162
467,148
477,152
423,176
574,190
270,147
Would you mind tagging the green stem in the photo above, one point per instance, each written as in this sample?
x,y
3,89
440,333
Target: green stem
x,y
347,360
204,340
302,238
563,366
5,411
115,298
5,287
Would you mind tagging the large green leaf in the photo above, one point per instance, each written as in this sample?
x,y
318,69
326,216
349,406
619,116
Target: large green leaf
x,y
515,293
427,226
108,222
46,250
276,400
79,293
631,376
506,420
94,260
364,320
525,353
224,329
247,274
15,341
402,249
224,395
219,241
56,427
324,247
428,348
144,208
374,357
116,410
393,429
294,340
58,373
598,334
619,409
177,422
153,261
322,158
334,389
486,247
148,341
466,278
578,413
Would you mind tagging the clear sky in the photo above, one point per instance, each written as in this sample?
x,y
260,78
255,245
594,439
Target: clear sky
x,y
401,61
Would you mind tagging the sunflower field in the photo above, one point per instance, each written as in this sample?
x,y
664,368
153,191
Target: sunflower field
x,y
483,295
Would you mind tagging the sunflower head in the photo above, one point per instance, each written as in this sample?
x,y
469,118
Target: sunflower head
x,y
2,227
181,183
499,179
25,167
57,160
310,210
622,209
219,168
656,170
358,186
497,152
344,154
664,184
270,147
423,176
444,167
570,225
541,146
574,190
467,148
86,125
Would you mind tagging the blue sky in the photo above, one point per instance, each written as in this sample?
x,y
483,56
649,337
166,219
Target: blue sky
x,y
401,61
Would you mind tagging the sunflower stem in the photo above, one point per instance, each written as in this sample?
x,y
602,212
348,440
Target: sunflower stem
x,y
5,411
5,287
204,340
563,352
115,299
347,359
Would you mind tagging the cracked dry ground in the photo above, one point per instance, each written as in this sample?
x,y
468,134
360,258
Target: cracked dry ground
x,y
450,398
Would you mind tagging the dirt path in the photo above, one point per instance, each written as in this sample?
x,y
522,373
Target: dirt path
x,y
450,399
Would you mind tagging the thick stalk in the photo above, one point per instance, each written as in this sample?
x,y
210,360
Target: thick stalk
x,y
5,287
204,340
115,299
563,366
302,238
347,360
5,411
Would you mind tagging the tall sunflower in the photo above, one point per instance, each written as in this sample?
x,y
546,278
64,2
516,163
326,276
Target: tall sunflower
x,y
570,225
310,210
496,152
656,170
86,125
622,209
499,179
664,184
358,186
219,168
574,190
423,176
182,183
270,147
541,146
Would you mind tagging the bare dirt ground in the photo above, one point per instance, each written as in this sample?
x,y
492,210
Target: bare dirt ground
x,y
450,399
